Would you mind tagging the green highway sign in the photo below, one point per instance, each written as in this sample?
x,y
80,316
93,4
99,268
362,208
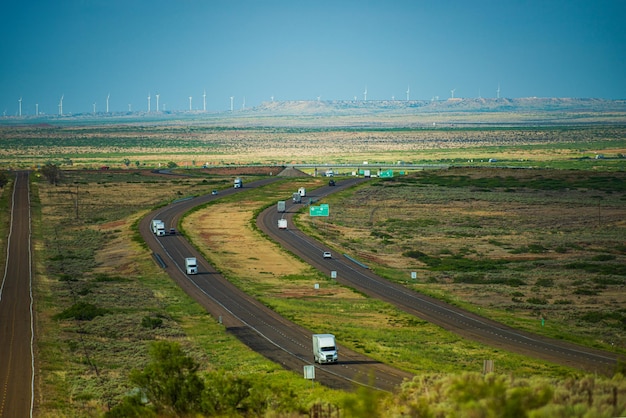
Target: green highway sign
x,y
386,174
321,210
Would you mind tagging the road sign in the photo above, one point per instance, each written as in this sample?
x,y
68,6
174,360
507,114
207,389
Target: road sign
x,y
386,174
309,372
321,210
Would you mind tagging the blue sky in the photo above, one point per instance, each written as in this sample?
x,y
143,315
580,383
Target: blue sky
x,y
299,50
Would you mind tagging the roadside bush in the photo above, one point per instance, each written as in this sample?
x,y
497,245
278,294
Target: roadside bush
x,y
151,323
171,386
82,311
170,381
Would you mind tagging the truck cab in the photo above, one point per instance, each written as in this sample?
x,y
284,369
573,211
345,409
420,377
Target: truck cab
x,y
191,265
158,227
324,348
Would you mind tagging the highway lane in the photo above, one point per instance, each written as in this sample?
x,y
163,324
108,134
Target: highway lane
x,y
16,310
461,322
253,323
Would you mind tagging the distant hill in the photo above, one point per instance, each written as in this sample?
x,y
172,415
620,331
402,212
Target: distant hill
x,y
432,113
372,114
530,104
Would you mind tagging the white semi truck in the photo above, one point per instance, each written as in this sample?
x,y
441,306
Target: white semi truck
x,y
158,227
281,207
282,223
302,192
324,348
191,265
238,183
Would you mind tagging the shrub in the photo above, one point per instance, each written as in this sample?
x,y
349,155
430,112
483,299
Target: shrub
x,y
545,282
151,323
82,311
170,381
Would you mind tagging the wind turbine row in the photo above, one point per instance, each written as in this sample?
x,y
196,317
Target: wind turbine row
x,y
204,96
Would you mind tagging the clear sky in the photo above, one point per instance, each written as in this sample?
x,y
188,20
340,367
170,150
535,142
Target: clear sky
x,y
301,50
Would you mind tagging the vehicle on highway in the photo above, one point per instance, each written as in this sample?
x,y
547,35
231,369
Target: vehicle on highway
x,y
172,231
327,254
214,192
191,265
324,348
331,182
238,183
158,227
282,223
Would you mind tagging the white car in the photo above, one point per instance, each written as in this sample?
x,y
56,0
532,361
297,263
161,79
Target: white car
x,y
327,254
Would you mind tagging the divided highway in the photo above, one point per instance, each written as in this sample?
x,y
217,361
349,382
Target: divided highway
x,y
253,323
290,345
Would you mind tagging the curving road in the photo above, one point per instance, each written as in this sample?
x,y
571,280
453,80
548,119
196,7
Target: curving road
x,y
459,321
17,368
253,323
289,344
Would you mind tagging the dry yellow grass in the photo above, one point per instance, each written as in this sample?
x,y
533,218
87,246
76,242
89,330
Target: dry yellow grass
x,y
223,232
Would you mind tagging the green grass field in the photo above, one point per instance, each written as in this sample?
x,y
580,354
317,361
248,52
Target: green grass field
x,y
513,244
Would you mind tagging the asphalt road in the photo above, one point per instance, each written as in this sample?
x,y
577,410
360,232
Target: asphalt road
x,y
257,326
454,319
16,310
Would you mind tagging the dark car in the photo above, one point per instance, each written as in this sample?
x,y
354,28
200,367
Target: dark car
x,y
331,182
172,231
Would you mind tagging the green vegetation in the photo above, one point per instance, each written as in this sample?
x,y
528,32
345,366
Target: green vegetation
x,y
100,353
81,311
515,245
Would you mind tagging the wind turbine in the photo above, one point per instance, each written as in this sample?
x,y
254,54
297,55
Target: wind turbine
x,y
20,111
157,97
243,105
37,109
365,94
108,95
452,93
94,108
408,91
231,103
61,105
204,101
190,103
148,102
498,92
